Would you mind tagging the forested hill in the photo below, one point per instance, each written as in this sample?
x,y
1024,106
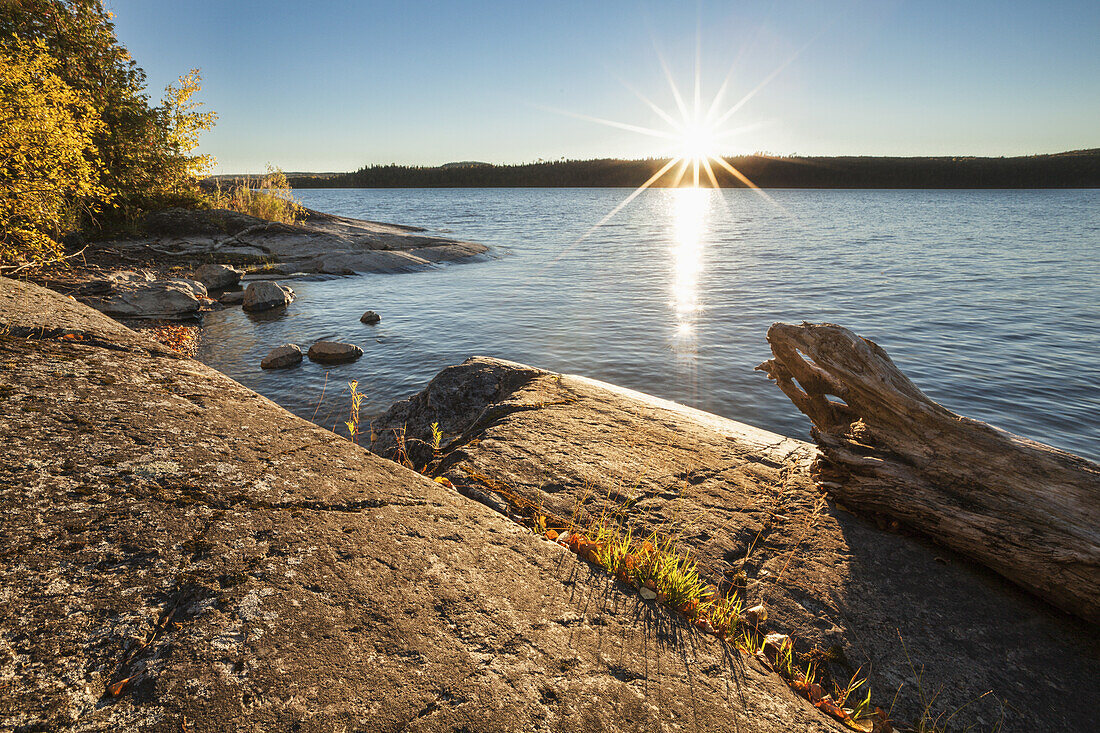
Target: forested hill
x,y
1075,169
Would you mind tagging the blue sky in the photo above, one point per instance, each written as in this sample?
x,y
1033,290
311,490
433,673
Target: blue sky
x,y
330,86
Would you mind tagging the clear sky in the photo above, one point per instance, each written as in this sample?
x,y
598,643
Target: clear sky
x,y
332,86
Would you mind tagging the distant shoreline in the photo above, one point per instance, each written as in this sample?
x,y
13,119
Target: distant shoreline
x,y
1073,169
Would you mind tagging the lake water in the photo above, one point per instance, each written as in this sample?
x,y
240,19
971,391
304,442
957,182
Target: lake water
x,y
988,300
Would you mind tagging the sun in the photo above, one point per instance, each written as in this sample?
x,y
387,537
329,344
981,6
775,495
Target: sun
x,y
698,141
695,132
697,135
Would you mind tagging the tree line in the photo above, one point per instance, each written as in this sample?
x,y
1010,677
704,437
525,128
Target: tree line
x,y
1076,169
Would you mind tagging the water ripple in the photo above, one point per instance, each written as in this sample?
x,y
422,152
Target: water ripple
x,y
989,300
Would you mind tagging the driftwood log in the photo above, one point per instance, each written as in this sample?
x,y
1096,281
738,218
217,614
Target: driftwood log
x,y
1028,511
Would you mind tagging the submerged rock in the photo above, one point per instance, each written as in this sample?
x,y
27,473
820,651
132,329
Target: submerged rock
x,y
265,295
217,277
334,352
282,357
233,297
370,318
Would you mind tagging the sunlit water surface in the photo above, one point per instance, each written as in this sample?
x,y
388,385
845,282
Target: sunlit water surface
x,y
988,300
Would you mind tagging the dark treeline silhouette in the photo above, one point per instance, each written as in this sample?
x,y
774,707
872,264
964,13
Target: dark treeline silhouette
x,y
1075,169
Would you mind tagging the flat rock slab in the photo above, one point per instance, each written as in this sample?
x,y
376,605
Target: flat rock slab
x,y
852,596
223,566
130,294
318,243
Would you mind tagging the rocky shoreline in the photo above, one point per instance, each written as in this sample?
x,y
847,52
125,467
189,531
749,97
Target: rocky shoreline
x,y
318,244
181,553
182,262
932,631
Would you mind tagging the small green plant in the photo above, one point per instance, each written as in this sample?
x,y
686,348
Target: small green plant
x,y
437,438
671,575
861,708
401,453
724,613
353,421
613,550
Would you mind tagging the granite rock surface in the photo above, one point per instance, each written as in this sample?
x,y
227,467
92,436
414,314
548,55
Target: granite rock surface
x,y
138,294
319,243
937,631
180,553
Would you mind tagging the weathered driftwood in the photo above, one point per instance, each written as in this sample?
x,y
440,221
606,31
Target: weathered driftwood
x,y
1028,511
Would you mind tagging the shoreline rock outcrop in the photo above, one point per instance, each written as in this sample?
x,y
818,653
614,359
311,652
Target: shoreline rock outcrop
x,y
136,294
923,622
180,553
317,244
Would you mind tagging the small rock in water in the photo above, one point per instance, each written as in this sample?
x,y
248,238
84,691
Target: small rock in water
x,y
234,297
264,295
370,318
217,277
281,357
333,352
647,594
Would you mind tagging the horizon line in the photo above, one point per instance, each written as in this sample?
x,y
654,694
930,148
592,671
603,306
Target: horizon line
x,y
649,159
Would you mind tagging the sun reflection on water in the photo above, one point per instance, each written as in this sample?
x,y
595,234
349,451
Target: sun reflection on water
x,y
689,225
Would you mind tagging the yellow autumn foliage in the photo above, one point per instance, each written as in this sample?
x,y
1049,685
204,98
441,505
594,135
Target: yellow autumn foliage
x,y
81,147
50,170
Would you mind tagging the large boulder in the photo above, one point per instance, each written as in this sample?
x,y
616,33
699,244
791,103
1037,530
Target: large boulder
x,y
282,357
334,352
217,277
131,294
933,632
265,295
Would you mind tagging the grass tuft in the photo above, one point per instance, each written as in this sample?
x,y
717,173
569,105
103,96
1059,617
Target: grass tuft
x,y
271,199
